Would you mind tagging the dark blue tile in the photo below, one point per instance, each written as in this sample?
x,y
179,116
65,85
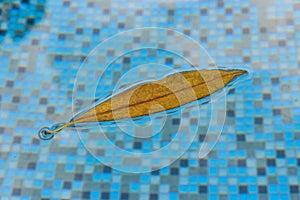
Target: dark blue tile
x,y
31,165
203,163
174,171
105,195
280,153
275,80
240,137
271,162
9,83
176,121
276,112
67,185
202,189
242,163
262,189
184,163
107,169
137,145
230,113
267,96
294,189
153,197
155,172
86,195
78,177
169,61
124,196
243,189
261,171
258,120
16,191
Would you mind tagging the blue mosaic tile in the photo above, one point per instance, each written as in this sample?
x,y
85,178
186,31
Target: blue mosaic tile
x,y
42,45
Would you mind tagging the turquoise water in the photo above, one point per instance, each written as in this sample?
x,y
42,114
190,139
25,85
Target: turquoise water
x,y
57,57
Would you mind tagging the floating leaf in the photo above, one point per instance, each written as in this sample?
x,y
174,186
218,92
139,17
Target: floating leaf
x,y
165,94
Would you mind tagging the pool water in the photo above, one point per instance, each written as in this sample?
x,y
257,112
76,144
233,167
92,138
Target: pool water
x,y
59,57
